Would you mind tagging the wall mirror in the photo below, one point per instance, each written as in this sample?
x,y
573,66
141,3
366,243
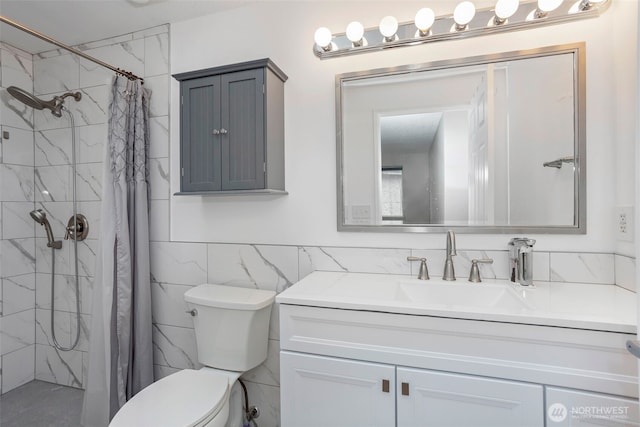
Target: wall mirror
x,y
491,144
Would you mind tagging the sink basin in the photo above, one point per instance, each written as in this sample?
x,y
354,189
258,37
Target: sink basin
x,y
433,293
463,294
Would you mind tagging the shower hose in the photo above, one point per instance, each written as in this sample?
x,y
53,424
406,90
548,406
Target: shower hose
x,y
75,252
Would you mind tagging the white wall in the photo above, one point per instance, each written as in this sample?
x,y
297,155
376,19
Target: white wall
x,y
308,214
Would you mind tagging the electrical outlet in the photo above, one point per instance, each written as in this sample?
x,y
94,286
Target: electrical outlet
x,y
624,223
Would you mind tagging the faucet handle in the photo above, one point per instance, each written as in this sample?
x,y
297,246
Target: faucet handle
x,y
474,274
423,273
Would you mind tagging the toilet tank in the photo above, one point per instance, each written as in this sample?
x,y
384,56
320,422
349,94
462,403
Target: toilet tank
x,y
231,325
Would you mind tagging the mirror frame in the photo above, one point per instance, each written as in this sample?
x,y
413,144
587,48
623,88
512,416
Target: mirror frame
x,y
579,124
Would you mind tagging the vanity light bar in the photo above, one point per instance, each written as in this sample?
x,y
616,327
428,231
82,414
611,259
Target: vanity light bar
x,y
466,21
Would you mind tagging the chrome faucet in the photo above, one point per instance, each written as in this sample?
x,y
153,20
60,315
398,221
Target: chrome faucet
x,y
449,272
521,260
423,273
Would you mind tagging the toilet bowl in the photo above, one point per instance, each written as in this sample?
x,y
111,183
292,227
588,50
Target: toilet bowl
x,y
232,328
188,398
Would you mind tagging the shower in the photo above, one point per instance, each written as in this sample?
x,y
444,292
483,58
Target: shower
x,y
77,227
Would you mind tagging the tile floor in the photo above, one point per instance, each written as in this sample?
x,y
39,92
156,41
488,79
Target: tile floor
x,y
41,404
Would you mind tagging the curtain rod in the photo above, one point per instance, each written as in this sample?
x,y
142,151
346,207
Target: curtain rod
x,y
48,39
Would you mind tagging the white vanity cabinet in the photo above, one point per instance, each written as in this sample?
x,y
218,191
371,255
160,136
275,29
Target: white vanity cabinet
x,y
356,350
334,392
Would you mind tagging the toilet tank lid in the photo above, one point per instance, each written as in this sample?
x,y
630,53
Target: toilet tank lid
x,y
230,297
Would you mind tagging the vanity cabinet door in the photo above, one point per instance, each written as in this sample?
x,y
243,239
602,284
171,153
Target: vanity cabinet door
x,y
321,391
440,399
573,408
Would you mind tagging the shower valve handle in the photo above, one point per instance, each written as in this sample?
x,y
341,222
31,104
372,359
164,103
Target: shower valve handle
x,y
67,234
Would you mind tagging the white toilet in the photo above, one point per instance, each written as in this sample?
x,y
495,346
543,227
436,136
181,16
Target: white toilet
x,y
232,331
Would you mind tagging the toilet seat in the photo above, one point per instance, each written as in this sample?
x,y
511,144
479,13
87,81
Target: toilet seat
x,y
188,398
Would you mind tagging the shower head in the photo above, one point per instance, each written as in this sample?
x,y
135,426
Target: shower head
x,y
29,99
25,97
40,217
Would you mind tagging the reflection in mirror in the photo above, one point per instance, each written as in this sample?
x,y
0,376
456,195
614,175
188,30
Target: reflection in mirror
x,y
493,144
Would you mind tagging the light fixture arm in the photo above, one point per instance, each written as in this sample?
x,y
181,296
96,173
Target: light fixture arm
x,y
484,22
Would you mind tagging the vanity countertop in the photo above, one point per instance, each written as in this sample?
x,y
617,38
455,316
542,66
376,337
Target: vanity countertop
x,y
571,305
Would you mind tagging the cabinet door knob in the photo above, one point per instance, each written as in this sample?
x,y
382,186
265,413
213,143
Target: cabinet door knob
x,y
223,131
385,386
215,132
405,389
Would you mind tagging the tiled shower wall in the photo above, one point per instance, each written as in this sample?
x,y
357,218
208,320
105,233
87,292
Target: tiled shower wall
x,y
36,173
176,266
144,53
17,247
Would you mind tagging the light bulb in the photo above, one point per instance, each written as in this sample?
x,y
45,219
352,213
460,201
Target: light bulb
x,y
505,9
322,37
355,31
388,27
424,20
547,6
463,14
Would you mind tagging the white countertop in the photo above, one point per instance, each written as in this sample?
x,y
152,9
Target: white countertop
x,y
570,305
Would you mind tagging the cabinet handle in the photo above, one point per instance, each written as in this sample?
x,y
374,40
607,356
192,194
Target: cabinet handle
x,y
216,132
405,389
223,131
385,386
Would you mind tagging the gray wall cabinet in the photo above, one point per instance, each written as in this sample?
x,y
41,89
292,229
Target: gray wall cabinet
x,y
232,129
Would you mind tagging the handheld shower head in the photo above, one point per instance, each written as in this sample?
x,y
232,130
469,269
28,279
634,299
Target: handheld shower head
x,y
29,99
40,217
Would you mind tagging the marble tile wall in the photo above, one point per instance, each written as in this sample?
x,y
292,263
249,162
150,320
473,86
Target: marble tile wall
x,y
17,229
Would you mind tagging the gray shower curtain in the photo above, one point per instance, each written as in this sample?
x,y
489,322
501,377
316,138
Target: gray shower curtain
x,y
120,350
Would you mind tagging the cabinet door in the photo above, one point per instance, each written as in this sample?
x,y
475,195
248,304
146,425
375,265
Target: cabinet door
x,y
242,137
578,408
437,399
200,147
320,391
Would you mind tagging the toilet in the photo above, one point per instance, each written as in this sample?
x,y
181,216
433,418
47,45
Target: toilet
x,y
232,330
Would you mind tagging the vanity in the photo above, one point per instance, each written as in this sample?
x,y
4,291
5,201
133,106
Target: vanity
x,y
389,350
